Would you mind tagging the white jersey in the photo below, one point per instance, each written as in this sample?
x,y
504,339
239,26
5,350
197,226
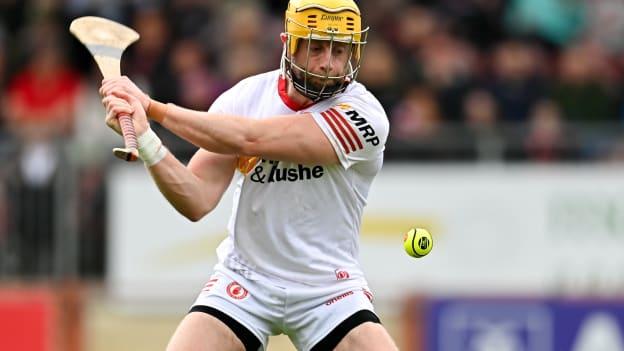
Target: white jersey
x,y
300,223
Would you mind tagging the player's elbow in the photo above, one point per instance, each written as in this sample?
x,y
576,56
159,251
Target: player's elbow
x,y
194,216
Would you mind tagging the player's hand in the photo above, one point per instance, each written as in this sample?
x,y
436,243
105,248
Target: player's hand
x,y
120,102
124,84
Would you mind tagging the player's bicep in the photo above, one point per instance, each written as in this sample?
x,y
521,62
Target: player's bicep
x,y
296,138
215,171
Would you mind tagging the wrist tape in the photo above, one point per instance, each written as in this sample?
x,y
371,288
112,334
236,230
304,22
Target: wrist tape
x,y
151,149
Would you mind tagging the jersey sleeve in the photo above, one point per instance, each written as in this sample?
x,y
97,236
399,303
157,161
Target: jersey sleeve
x,y
356,129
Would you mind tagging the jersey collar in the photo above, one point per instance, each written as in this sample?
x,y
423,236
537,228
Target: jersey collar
x,y
292,104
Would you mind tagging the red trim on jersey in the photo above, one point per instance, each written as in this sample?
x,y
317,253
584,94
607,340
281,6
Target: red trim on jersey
x,y
342,129
348,126
283,93
336,133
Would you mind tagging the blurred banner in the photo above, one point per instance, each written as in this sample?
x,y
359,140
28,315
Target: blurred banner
x,y
498,231
28,319
41,317
488,324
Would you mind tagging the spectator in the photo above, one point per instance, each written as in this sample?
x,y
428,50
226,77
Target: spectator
x,y
190,18
415,24
146,62
13,15
481,119
606,24
195,85
243,27
476,21
581,89
3,79
417,115
41,102
546,140
382,74
236,65
188,81
480,110
517,83
41,97
449,67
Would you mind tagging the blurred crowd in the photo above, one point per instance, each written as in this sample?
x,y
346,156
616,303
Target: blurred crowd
x,y
461,80
537,80
473,79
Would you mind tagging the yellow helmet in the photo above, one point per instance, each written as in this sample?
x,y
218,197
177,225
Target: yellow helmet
x,y
329,20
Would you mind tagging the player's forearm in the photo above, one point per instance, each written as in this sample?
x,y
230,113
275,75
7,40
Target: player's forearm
x,y
182,188
213,132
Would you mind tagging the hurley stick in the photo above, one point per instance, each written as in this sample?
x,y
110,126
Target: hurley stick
x,y
106,41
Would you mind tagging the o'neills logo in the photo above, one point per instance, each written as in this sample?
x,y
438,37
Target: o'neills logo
x,y
236,291
341,274
338,298
335,18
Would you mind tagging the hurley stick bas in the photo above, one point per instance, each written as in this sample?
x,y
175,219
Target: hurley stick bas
x,y
106,40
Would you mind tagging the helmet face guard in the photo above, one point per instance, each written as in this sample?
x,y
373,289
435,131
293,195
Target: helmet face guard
x,y
336,22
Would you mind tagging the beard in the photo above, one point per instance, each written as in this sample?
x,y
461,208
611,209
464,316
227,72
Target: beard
x,y
317,83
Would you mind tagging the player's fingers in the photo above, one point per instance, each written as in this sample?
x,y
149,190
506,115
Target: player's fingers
x,y
112,87
122,94
112,113
135,103
128,98
119,106
113,123
109,87
111,79
107,83
111,98
111,83
105,88
110,101
107,99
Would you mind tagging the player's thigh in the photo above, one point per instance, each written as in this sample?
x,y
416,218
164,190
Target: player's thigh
x,y
200,331
367,336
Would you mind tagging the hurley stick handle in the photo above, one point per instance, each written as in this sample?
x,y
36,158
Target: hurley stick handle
x,y
130,152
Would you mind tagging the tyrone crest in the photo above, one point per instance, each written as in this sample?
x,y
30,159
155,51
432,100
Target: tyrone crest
x,y
236,291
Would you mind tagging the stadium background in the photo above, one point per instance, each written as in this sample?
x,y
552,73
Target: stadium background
x,y
506,142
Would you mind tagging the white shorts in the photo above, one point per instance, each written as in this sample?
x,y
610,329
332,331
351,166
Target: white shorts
x,y
307,314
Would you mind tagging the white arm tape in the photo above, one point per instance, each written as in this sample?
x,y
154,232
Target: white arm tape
x,y
151,149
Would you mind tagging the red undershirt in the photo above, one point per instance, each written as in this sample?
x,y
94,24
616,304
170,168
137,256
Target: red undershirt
x,y
292,104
